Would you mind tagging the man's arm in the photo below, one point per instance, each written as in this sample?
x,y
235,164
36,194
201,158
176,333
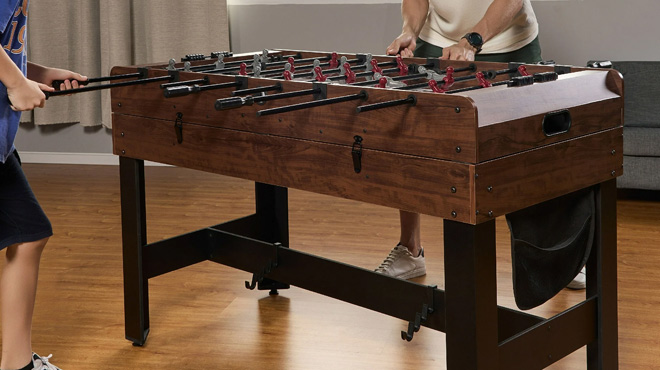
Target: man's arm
x,y
498,17
414,13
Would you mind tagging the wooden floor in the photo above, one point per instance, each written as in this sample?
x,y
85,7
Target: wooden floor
x,y
202,317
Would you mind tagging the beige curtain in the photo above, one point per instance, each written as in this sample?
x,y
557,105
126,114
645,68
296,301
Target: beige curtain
x,y
92,36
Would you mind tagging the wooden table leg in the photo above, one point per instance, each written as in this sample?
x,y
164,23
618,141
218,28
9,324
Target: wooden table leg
x,y
471,295
134,238
602,281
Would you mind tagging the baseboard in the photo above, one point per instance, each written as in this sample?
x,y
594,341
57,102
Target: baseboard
x,y
75,158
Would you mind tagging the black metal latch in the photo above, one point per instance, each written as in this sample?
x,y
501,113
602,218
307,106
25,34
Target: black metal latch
x,y
178,127
356,152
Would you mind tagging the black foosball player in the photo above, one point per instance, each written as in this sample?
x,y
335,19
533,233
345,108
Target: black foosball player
x,y
24,228
482,30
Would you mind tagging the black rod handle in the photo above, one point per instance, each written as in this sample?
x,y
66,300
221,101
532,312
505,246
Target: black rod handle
x,y
107,86
236,102
411,99
56,83
316,103
232,102
177,91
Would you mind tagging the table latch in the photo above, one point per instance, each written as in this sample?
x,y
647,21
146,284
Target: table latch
x,y
356,152
178,127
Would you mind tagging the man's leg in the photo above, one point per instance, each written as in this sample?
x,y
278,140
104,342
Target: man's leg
x,y
19,289
410,232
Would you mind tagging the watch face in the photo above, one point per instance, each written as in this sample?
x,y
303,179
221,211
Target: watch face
x,y
475,39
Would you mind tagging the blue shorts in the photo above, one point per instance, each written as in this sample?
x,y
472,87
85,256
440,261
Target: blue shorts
x,y
21,218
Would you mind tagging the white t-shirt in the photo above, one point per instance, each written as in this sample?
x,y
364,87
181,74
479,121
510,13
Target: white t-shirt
x,y
449,20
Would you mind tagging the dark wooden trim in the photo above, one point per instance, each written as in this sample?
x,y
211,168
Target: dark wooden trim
x,y
603,353
134,238
551,340
470,295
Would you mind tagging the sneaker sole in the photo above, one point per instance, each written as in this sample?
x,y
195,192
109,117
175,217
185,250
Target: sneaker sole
x,y
412,274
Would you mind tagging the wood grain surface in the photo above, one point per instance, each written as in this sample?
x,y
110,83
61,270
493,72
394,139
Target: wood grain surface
x,y
203,317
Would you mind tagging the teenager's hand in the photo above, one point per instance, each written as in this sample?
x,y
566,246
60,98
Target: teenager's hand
x,y
27,95
70,78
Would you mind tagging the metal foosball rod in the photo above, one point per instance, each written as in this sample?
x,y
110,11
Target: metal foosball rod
x,y
513,82
107,86
56,83
410,100
235,66
204,80
276,87
470,68
362,95
237,102
279,72
263,58
177,91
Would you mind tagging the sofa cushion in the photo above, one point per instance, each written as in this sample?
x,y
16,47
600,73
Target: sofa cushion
x,y
641,141
641,82
640,173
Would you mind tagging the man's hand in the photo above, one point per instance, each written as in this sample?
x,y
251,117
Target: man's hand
x,y
460,51
404,44
27,95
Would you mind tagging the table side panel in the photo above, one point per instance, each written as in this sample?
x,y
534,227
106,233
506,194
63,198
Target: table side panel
x,y
514,182
394,180
527,133
436,127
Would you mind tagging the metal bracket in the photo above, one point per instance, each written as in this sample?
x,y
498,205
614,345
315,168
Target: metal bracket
x,y
420,317
259,276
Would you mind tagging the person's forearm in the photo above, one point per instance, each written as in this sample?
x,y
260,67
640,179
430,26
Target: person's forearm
x,y
10,74
498,17
414,13
35,72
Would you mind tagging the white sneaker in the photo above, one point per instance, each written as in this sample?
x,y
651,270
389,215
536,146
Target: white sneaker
x,y
580,281
41,363
401,264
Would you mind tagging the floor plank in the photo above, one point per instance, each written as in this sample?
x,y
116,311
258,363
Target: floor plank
x,y
203,317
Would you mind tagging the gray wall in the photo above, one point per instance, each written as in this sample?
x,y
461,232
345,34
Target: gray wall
x,y
572,32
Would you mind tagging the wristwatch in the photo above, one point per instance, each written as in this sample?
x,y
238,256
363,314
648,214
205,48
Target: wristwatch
x,y
475,40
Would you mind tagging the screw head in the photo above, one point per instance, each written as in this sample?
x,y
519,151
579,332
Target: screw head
x,y
490,189
123,151
454,214
453,189
119,104
613,173
490,213
457,110
613,151
458,149
122,134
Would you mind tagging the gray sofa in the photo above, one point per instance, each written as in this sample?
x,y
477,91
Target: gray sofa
x,y
641,131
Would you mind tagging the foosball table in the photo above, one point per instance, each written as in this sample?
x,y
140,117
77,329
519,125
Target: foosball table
x,y
464,141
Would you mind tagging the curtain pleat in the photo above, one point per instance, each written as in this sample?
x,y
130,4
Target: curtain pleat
x,y
92,36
